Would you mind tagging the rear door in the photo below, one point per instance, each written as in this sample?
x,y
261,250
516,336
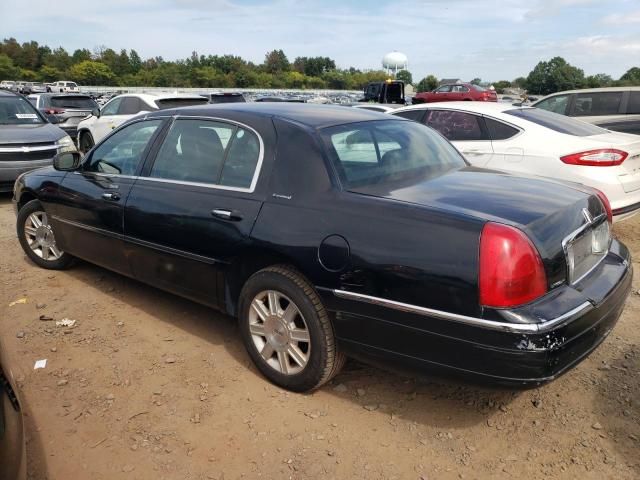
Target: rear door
x,y
89,215
466,131
440,94
598,107
508,150
187,218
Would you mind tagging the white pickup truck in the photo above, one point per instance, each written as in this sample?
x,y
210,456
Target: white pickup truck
x,y
63,86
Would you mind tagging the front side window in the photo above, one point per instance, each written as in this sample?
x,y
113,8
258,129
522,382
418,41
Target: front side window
x,y
384,151
555,104
555,122
456,126
597,103
203,151
122,152
111,108
444,89
18,111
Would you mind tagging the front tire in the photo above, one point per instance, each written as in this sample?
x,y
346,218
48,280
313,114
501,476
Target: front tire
x,y
86,142
37,238
286,330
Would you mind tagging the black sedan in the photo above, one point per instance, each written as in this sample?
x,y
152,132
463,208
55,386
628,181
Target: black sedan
x,y
330,231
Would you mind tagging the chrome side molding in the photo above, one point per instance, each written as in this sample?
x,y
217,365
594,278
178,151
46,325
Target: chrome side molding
x,y
477,322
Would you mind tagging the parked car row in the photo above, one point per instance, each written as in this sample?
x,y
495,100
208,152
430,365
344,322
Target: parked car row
x,y
26,88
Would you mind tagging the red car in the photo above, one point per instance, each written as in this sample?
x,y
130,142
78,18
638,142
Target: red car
x,y
456,92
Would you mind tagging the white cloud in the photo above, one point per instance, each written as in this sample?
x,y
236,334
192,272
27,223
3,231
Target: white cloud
x,y
624,19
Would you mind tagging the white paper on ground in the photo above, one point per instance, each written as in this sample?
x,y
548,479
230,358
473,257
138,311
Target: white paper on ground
x,y
40,364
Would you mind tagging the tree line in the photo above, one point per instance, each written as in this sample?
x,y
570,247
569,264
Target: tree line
x,y
31,61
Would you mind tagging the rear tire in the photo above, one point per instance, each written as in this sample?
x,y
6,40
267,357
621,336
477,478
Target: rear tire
x,y
37,238
286,330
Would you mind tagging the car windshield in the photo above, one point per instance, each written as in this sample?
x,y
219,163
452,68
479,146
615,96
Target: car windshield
x,y
75,101
380,152
556,122
180,102
18,111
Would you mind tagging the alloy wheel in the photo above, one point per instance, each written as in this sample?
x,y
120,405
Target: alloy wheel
x,y
279,332
40,238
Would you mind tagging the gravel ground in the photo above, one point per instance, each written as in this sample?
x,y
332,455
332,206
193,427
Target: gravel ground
x,y
148,385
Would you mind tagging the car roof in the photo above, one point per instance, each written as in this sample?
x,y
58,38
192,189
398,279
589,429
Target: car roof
x,y
600,89
307,114
6,93
475,107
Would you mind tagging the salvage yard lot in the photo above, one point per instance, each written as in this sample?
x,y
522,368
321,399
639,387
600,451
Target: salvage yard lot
x,y
148,385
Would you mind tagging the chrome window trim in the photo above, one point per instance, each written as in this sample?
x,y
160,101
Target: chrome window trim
x,y
474,321
575,234
256,173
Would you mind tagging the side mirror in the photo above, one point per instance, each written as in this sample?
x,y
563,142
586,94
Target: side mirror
x,y
67,161
96,112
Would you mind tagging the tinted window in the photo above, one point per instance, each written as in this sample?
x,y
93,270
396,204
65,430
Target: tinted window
x,y
18,111
129,106
599,103
556,104
498,130
193,151
633,107
179,102
454,125
242,159
227,98
379,152
415,115
111,108
121,153
558,123
444,88
69,101
459,89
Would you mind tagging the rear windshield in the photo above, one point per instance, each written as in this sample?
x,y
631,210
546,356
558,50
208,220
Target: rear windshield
x,y
18,111
381,152
62,101
478,88
556,122
227,98
179,102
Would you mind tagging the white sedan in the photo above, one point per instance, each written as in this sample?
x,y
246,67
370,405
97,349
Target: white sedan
x,y
124,107
537,142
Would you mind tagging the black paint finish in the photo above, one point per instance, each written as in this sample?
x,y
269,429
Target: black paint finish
x,y
415,243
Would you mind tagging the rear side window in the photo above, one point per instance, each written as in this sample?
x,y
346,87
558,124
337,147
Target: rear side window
x,y
555,122
415,115
498,130
85,103
456,126
597,103
633,107
202,151
180,102
555,104
129,106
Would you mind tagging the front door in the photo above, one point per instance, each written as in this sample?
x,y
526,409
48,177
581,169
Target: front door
x,y
193,213
110,118
88,216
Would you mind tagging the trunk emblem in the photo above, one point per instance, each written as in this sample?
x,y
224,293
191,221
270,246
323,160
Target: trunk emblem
x,y
587,216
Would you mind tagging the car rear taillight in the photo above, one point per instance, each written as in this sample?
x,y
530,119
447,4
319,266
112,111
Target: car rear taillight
x,y
606,204
511,270
605,157
54,111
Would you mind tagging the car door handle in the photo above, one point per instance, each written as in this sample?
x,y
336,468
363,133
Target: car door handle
x,y
473,152
226,214
111,196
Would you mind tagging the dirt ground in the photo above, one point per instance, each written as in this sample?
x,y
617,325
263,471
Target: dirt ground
x,y
151,386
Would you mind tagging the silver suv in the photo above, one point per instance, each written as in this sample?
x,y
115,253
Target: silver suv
x,y
613,108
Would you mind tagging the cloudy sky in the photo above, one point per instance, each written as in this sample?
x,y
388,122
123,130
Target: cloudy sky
x,y
489,39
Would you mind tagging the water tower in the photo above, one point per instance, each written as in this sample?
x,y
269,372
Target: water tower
x,y
395,61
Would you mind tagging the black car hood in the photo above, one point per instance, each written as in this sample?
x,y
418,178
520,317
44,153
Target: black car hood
x,y
20,134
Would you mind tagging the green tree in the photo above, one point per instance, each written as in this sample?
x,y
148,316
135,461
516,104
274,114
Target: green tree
x,y
631,76
134,61
553,76
404,76
7,69
58,59
599,80
50,74
519,82
276,61
501,85
476,81
90,72
428,83
80,55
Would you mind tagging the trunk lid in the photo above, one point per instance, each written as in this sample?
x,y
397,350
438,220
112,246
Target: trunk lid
x,y
547,211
